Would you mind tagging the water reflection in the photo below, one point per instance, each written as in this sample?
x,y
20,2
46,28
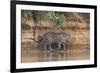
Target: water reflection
x,y
54,56
74,53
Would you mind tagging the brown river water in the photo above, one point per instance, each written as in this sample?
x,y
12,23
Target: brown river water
x,y
30,54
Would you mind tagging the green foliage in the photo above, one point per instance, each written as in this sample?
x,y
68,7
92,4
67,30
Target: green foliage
x,y
55,17
59,19
26,13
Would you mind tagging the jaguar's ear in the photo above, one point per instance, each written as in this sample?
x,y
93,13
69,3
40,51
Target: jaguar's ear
x,y
40,38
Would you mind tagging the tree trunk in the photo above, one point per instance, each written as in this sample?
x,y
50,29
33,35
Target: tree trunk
x,y
34,16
